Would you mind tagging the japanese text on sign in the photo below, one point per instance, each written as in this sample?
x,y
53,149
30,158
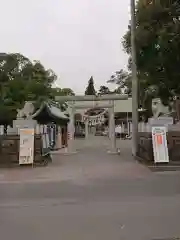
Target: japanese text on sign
x,y
26,149
160,148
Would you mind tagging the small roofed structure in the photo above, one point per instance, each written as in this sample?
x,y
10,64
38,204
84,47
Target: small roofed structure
x,y
48,113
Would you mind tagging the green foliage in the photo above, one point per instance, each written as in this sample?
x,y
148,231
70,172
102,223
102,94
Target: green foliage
x,y
22,80
123,80
157,46
90,90
62,92
103,90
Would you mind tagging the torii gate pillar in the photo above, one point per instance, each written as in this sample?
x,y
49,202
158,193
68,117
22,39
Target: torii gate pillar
x,y
86,129
71,131
112,136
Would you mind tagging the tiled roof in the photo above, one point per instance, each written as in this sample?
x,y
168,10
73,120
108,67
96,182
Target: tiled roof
x,y
53,110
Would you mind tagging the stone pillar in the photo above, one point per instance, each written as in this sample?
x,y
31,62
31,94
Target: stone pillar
x,y
71,130
59,139
112,130
86,128
2,130
109,124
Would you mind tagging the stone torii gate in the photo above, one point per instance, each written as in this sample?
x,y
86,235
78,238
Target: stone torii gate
x,y
72,106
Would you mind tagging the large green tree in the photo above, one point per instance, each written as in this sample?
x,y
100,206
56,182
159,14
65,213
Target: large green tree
x,y
123,80
22,80
90,90
157,39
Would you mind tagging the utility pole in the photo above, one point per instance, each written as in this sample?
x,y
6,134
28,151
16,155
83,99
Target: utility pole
x,y
134,82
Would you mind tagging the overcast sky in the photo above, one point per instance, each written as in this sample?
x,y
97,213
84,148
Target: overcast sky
x,y
76,38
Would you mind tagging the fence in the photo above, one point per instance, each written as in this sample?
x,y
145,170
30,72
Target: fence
x,y
127,127
146,127
45,139
142,127
48,132
40,129
145,148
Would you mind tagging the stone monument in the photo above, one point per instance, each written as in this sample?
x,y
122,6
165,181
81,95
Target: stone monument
x,y
160,114
24,117
158,108
26,112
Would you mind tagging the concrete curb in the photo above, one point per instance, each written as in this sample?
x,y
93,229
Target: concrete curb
x,y
159,167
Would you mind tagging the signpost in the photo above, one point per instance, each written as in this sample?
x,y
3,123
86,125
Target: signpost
x,y
26,151
160,148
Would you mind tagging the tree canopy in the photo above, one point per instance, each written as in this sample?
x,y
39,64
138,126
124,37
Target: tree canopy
x,y
61,92
103,90
157,46
22,80
123,80
90,90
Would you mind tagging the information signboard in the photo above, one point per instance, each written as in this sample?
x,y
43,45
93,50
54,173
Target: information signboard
x,y
26,150
160,148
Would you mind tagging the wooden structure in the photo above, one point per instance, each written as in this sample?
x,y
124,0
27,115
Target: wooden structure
x,y
145,149
9,150
9,143
50,113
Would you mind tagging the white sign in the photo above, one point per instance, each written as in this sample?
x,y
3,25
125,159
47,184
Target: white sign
x,y
160,148
26,150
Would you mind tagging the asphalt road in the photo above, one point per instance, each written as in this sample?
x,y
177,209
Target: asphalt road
x,y
104,197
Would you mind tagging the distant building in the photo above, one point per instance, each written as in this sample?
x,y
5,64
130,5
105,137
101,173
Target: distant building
x,y
122,108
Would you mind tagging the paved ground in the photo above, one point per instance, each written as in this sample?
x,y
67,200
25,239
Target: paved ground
x,y
90,195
